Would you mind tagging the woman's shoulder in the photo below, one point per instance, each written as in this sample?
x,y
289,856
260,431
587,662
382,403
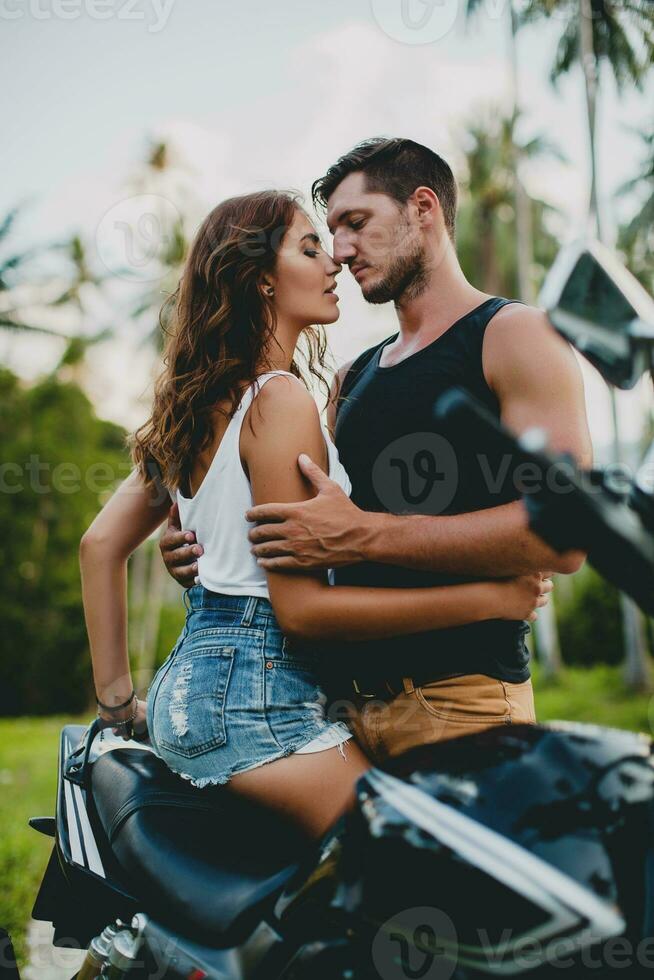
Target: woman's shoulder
x,y
284,421
282,408
285,393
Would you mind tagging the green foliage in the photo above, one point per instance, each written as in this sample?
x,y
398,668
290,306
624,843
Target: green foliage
x,y
171,622
597,696
59,464
589,621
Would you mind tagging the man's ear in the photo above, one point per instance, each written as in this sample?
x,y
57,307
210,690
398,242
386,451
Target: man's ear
x,y
426,203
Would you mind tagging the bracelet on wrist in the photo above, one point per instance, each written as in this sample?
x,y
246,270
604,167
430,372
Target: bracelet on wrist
x,y
116,707
125,723
128,721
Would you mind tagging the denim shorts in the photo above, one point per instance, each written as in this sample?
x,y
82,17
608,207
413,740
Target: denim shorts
x,y
234,693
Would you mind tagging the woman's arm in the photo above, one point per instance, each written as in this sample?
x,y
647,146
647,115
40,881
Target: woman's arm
x,y
306,606
126,520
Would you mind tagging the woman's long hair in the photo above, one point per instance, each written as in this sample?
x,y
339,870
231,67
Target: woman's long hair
x,y
222,330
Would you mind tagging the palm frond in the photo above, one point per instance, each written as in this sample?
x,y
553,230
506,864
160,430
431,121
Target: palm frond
x,y
16,326
7,222
567,52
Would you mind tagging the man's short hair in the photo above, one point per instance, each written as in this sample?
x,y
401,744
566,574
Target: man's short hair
x,y
395,167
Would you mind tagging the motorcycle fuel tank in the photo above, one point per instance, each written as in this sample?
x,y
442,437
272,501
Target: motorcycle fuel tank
x,y
515,852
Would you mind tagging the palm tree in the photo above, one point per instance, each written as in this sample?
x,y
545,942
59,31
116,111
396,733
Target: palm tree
x,y
487,242
622,34
489,248
636,238
546,627
521,204
24,289
621,37
158,176
14,267
597,33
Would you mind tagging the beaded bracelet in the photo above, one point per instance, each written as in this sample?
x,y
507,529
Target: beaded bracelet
x,y
124,723
127,721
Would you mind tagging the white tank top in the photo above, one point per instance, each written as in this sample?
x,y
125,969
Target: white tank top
x,y
217,511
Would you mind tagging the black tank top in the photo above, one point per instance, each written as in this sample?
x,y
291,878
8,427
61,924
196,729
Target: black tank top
x,y
399,461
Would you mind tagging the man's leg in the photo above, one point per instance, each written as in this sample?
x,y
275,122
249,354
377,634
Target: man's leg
x,y
437,712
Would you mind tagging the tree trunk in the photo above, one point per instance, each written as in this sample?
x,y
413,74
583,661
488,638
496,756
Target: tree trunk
x,y
637,667
524,237
547,640
590,70
490,270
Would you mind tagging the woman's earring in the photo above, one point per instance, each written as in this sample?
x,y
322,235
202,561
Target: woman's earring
x,y
270,291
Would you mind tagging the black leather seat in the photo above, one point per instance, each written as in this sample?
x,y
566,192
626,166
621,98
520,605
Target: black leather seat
x,y
203,861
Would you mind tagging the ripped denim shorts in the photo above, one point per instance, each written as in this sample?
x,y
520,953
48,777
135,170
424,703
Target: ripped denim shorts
x,y
233,694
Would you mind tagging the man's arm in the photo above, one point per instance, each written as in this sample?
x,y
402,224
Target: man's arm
x,y
497,542
179,549
537,380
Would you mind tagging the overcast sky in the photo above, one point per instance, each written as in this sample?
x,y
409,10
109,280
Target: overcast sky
x,y
258,93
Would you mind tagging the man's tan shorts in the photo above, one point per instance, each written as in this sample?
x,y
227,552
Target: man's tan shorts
x,y
438,711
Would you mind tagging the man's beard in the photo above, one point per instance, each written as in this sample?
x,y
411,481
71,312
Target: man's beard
x,y
406,278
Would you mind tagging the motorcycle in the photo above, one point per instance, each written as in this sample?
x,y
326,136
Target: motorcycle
x,y
520,851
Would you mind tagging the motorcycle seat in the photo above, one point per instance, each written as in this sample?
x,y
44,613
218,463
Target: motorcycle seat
x,y
203,861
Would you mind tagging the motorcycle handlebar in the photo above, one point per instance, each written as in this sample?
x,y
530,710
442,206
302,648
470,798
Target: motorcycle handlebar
x,y
571,508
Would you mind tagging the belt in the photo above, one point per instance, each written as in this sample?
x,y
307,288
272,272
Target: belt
x,y
393,684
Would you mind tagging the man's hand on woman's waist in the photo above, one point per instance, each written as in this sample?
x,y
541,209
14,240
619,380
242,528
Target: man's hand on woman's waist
x,y
179,550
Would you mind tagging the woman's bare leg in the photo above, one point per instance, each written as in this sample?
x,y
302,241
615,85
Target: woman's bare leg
x,y
312,789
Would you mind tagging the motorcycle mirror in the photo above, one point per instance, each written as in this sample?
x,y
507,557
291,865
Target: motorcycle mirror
x,y
593,301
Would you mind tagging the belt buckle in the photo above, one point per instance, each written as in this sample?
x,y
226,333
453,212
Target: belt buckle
x,y
359,691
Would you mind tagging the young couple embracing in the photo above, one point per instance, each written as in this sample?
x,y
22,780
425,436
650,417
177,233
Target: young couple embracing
x,y
355,588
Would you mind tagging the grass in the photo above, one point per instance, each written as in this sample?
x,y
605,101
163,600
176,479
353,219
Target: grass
x,y
28,761
28,785
595,695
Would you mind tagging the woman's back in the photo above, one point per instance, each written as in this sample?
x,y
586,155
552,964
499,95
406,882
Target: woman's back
x,y
216,512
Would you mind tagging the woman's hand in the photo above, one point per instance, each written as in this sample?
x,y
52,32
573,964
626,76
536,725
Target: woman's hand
x,y
522,596
139,726
140,723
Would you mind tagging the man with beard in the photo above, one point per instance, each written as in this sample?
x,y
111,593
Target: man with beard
x,y
424,510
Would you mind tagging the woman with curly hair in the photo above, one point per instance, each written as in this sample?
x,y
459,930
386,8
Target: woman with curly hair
x,y
238,700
